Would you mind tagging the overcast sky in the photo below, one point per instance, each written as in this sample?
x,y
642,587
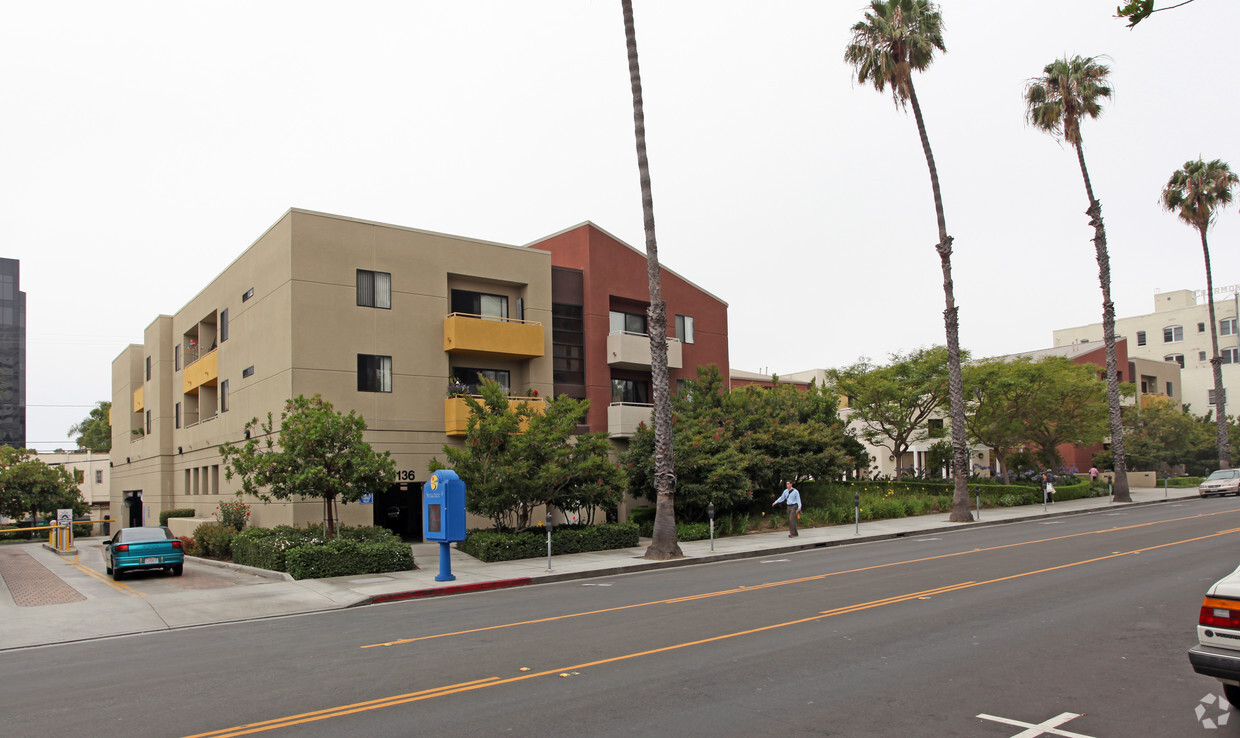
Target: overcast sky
x,y
147,144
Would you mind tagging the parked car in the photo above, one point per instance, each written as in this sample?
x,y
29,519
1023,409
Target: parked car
x,y
152,547
1217,653
1221,482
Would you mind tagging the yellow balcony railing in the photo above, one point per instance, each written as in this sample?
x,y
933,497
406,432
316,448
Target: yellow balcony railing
x,y
139,401
456,412
499,337
204,371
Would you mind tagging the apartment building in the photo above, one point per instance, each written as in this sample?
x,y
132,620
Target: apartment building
x,y
93,473
1178,332
12,355
381,319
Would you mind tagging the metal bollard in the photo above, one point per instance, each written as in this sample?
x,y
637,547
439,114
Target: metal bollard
x,y
857,512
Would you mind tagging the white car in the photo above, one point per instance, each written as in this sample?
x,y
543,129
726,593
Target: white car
x,y
1221,482
1217,653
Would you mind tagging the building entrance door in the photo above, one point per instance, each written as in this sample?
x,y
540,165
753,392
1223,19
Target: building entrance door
x,y
399,509
133,505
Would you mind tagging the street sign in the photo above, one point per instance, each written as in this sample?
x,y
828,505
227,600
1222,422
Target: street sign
x,y
367,499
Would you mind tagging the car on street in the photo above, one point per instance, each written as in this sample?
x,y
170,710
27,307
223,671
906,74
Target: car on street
x,y
1221,482
1217,653
150,547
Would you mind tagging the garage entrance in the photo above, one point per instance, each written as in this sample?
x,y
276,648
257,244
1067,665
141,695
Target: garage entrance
x,y
399,509
133,507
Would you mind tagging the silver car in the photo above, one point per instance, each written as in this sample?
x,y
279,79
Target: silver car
x,y
1221,482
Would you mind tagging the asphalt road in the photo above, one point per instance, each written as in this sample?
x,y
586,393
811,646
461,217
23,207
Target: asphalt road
x,y
1078,624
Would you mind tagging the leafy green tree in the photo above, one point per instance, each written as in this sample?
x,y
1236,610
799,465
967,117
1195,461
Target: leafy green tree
x,y
1164,435
28,485
1070,407
1002,393
663,544
893,403
1196,193
896,38
95,430
1056,102
730,444
515,460
317,452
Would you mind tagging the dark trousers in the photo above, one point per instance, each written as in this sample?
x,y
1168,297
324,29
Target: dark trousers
x,y
792,520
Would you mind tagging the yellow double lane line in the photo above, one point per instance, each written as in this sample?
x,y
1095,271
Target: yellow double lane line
x,y
358,707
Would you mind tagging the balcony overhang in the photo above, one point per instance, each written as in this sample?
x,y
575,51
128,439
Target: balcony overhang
x,y
477,335
456,412
204,371
624,417
632,351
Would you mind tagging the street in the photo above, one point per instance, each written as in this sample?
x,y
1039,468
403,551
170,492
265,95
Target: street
x,y
1077,624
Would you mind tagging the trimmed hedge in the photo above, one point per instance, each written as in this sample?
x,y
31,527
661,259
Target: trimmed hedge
x,y
490,545
180,512
1182,482
214,541
305,553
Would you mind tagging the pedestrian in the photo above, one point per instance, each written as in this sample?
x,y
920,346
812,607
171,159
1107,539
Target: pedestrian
x,y
792,497
1093,473
1048,489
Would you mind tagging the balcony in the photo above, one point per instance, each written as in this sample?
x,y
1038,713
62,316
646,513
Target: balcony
x,y
624,417
456,412
479,335
632,351
139,401
204,371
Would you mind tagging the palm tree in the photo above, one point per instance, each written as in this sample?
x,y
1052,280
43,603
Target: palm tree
x,y
663,544
897,37
1196,193
1056,102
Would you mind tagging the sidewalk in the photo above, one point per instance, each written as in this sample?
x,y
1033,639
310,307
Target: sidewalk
x,y
90,607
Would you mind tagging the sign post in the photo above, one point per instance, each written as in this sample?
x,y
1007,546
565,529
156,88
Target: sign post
x,y
64,540
443,517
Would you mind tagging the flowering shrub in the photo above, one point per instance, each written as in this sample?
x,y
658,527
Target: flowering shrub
x,y
234,513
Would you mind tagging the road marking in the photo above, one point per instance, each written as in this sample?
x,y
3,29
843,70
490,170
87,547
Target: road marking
x,y
1046,727
927,539
773,561
123,588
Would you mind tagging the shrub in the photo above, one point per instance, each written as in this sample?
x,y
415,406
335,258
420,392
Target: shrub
x,y
233,513
491,545
187,545
267,548
180,512
345,557
214,541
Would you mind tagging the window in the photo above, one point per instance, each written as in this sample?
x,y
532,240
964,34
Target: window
x,y
224,325
374,289
1140,338
567,346
634,323
1149,385
1201,327
224,396
1210,397
472,378
1173,333
374,373
176,416
633,391
176,357
1227,327
98,476
148,421
684,328
480,303
1201,356
148,368
1230,356
1169,387
247,294
1175,359
247,372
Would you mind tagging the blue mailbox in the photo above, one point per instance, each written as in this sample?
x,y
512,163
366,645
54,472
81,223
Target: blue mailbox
x,y
443,516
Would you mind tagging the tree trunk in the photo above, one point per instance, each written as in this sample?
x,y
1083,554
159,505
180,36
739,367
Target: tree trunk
x,y
1120,489
1216,363
663,544
951,321
331,519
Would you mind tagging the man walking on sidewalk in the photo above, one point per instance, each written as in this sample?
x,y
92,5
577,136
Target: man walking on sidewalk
x,y
793,498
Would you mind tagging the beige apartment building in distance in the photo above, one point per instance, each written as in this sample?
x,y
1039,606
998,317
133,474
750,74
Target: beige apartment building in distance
x,y
376,318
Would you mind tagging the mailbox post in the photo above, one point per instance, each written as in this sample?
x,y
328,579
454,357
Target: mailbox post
x,y
443,517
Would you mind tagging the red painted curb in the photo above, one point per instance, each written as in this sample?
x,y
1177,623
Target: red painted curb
x,y
454,589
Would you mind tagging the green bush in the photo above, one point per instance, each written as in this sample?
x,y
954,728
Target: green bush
x,y
233,513
346,557
214,541
1182,482
180,512
267,548
491,545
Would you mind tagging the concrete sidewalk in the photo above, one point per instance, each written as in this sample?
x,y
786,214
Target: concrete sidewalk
x,y
94,608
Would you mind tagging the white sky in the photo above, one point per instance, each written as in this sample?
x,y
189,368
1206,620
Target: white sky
x,y
147,144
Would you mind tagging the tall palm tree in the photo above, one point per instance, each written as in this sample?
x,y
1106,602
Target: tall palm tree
x,y
663,544
1196,193
897,37
1056,102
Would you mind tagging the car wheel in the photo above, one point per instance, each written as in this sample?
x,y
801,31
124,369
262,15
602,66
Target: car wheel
x,y
116,574
1231,692
178,569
